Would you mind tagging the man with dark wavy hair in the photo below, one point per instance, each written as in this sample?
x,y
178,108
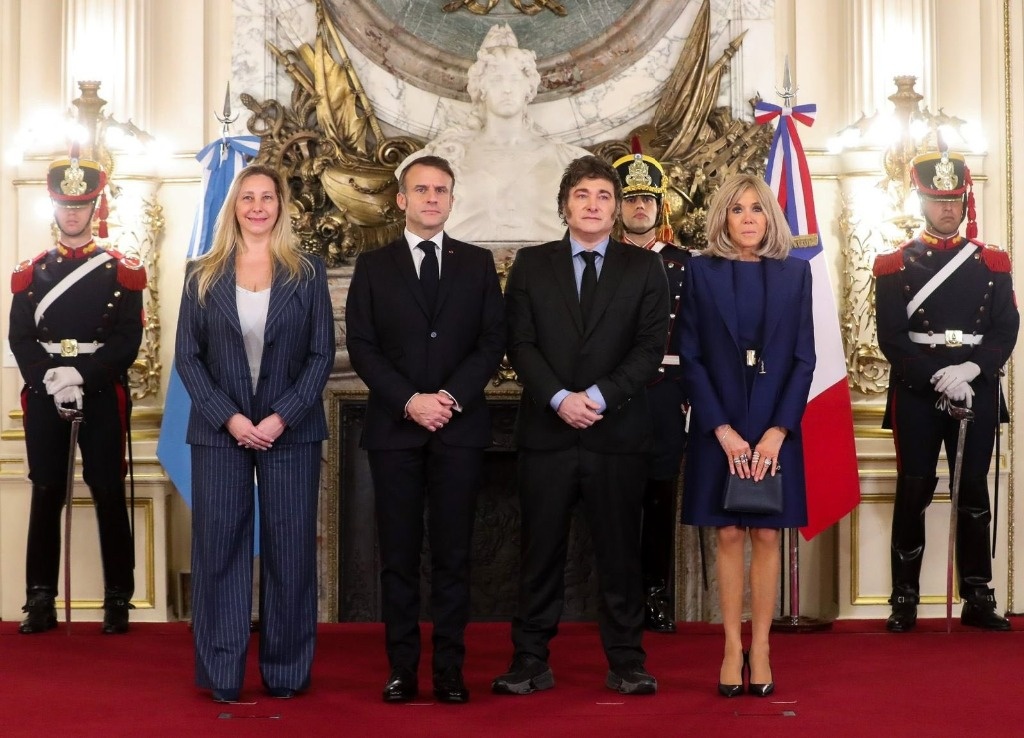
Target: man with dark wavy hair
x,y
587,320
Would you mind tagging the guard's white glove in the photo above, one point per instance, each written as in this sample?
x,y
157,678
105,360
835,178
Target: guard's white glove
x,y
67,396
954,374
60,377
962,393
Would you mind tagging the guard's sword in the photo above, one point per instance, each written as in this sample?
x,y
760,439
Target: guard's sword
x,y
965,415
75,416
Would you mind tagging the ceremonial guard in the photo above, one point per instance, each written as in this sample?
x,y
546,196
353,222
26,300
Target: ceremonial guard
x,y
644,221
75,329
947,322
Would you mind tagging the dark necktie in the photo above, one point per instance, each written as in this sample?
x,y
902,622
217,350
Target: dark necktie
x,y
429,271
588,285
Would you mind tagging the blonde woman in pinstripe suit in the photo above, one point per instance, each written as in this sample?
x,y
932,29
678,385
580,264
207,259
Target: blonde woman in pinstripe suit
x,y
255,347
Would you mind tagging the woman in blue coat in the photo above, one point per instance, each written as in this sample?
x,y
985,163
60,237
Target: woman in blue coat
x,y
747,353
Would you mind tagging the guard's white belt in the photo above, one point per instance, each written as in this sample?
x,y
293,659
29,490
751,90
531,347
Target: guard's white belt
x,y
70,347
670,360
953,339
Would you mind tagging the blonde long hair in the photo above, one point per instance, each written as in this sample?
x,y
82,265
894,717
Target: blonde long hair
x,y
777,238
227,235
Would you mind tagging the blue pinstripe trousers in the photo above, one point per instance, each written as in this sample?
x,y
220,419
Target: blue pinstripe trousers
x,y
222,543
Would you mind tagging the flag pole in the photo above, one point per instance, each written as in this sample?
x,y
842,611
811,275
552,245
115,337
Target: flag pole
x,y
794,622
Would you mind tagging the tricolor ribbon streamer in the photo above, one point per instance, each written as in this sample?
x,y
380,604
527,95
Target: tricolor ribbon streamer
x,y
787,172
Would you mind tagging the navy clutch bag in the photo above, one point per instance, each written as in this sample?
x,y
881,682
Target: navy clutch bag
x,y
748,496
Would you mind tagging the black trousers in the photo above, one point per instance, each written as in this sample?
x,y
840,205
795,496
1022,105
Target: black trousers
x,y
611,488
101,441
920,431
442,481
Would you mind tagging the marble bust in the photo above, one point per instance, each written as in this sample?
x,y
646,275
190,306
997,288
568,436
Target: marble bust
x,y
506,170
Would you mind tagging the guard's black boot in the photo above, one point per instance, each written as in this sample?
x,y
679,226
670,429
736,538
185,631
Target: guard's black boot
x,y
115,614
40,612
904,612
913,495
973,562
658,615
980,611
656,545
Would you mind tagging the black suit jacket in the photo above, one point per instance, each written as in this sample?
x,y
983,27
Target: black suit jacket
x,y
399,347
619,349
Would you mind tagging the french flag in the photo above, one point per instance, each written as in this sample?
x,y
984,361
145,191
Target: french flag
x,y
830,455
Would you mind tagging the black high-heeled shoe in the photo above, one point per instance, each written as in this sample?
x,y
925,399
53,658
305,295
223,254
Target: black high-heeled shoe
x,y
758,690
733,690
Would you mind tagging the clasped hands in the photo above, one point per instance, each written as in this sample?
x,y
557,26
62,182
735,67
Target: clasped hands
x,y
259,437
954,381
64,383
741,461
579,411
432,411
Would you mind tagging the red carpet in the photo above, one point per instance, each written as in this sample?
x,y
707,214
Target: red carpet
x,y
856,680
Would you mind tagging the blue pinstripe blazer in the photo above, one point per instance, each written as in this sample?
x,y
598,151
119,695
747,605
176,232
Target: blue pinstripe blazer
x,y
298,353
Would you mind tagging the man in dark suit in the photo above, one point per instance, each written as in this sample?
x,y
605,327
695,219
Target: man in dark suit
x,y
426,329
587,319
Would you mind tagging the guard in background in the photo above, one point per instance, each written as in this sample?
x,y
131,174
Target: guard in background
x,y
75,329
947,322
645,224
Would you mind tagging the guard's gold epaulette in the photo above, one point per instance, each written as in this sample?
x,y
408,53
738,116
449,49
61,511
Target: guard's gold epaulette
x,y
994,257
131,274
21,278
888,263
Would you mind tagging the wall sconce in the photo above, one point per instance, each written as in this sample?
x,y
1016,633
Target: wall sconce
x,y
879,215
136,219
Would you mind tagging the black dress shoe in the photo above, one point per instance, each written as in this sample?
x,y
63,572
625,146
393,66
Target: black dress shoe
x,y
225,695
40,615
526,674
281,693
980,612
904,614
115,615
401,686
449,687
631,678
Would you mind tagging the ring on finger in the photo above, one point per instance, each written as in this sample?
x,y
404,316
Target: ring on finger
x,y
743,458
767,462
737,460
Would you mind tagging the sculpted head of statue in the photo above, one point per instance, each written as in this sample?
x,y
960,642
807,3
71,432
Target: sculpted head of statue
x,y
504,79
